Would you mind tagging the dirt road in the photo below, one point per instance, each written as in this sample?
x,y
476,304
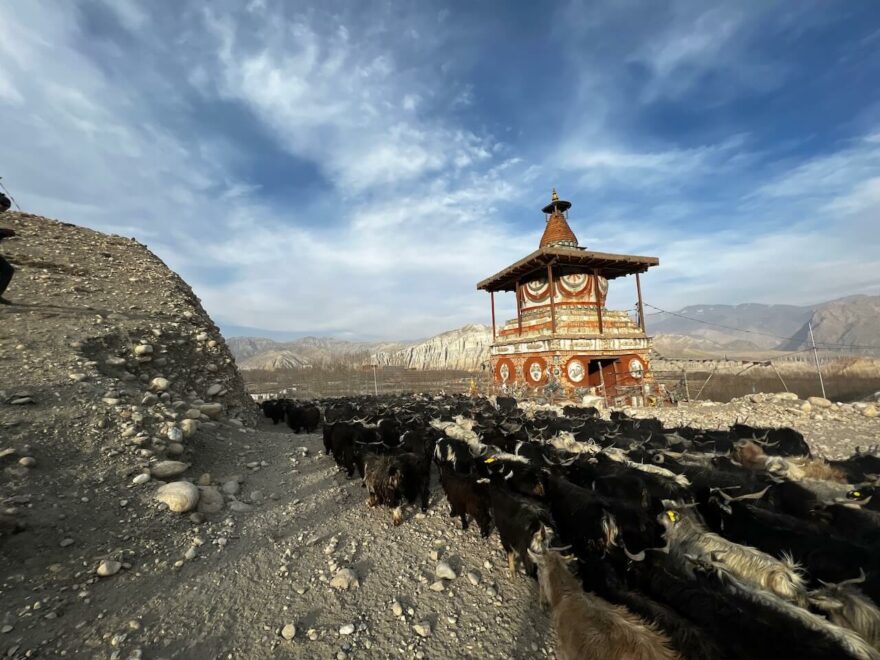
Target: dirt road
x,y
253,571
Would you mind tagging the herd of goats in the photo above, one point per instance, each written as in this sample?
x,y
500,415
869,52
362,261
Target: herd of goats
x,y
647,542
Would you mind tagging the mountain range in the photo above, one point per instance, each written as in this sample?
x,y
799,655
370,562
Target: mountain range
x,y
702,331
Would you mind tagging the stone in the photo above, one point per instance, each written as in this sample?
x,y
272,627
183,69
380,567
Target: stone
x,y
108,567
869,411
423,629
115,361
6,629
444,571
215,389
437,586
210,499
149,400
143,349
212,410
240,507
807,407
174,449
168,469
344,579
396,608
189,427
231,487
66,543
193,413
160,384
288,632
27,461
473,577
347,629
141,479
175,434
785,396
22,401
819,402
179,496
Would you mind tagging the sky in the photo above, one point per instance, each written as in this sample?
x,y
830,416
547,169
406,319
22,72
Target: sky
x,y
354,168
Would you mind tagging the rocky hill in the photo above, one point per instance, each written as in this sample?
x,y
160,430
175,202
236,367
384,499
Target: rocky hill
x,y
851,321
261,353
465,348
765,323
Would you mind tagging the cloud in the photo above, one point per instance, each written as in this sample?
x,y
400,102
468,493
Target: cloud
x,y
355,171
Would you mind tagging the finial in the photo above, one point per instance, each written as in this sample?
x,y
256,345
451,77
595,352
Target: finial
x,y
554,197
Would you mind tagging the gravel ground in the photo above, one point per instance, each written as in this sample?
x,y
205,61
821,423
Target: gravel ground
x,y
227,586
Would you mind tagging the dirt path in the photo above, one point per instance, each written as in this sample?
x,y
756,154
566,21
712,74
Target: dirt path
x,y
233,596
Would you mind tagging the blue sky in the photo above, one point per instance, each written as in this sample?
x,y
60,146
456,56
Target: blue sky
x,y
353,169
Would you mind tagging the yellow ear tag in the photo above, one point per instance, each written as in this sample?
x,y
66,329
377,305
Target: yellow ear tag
x,y
672,515
856,493
491,459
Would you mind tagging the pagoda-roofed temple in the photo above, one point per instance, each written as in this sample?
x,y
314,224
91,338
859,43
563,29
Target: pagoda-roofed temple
x,y
563,336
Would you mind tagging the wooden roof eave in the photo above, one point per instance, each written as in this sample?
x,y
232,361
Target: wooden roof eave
x,y
609,265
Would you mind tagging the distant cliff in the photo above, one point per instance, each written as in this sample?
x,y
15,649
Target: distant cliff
x,y
465,348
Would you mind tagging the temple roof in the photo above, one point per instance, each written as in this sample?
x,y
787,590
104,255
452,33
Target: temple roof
x,y
557,232
571,260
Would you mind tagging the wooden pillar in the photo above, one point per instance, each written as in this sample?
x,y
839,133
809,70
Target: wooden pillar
x,y
641,306
519,307
552,296
492,297
598,299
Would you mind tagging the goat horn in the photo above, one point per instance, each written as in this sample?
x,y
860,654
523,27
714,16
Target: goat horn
x,y
857,580
747,496
634,557
561,549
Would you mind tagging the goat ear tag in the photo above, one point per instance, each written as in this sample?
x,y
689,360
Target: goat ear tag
x,y
855,493
672,515
491,459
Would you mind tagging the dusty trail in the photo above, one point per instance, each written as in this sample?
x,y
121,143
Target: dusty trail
x,y
232,600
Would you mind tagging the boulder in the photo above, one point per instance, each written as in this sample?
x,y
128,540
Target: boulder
x,y
189,427
160,384
179,496
213,410
819,402
167,469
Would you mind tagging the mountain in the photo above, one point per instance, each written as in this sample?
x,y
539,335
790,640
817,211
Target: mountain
x,y
709,331
465,349
854,320
766,325
261,353
273,360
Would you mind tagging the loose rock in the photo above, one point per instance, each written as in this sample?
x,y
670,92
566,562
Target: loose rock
x,y
444,571
179,496
108,567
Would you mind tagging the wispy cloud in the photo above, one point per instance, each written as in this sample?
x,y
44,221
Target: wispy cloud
x,y
356,170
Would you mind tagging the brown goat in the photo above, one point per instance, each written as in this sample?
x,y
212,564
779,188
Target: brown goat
x,y
752,456
588,627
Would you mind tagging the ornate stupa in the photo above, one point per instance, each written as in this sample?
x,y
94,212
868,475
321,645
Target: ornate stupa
x,y
563,334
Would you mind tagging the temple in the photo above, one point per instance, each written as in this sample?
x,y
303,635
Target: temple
x,y
563,335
